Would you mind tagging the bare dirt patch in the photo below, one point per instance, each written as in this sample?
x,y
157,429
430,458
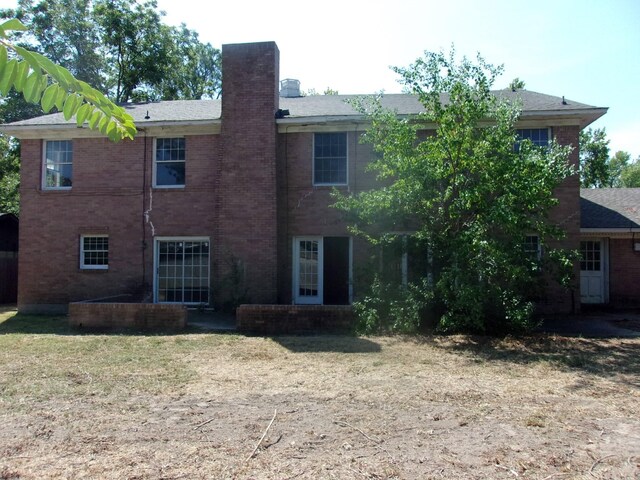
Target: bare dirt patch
x,y
226,406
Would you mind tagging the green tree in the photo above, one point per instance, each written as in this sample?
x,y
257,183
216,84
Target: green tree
x,y
464,197
516,84
63,31
594,158
617,164
9,176
138,46
630,175
194,72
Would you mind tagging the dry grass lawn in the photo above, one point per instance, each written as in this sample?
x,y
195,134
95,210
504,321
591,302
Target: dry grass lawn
x,y
200,405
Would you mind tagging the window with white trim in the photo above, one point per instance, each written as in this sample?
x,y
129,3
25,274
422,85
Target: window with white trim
x,y
330,158
94,252
57,164
169,164
539,137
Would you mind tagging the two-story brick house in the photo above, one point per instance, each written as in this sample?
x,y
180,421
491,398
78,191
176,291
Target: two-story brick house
x,y
220,199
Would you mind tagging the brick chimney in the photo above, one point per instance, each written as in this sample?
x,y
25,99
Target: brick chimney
x,y
246,190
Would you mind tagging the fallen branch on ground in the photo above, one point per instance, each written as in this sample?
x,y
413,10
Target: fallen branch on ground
x,y
597,462
263,435
345,424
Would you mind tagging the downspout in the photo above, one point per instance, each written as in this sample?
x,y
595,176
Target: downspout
x,y
143,217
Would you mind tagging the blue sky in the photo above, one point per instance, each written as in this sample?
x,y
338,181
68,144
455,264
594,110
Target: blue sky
x,y
587,50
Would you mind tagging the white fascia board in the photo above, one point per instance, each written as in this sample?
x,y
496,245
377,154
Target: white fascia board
x,y
71,130
609,232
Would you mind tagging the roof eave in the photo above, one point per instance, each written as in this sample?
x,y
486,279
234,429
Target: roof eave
x,y
581,117
29,132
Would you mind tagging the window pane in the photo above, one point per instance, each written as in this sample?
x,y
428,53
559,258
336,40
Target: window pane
x,y
170,173
95,252
330,158
170,162
537,136
58,163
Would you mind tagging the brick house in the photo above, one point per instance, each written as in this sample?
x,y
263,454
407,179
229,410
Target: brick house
x,y
610,246
224,201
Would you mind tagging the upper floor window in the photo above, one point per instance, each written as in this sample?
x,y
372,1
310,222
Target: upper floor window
x,y
94,252
169,165
330,159
538,136
58,164
531,247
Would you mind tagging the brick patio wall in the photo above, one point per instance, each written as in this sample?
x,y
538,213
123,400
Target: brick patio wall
x,y
294,319
138,316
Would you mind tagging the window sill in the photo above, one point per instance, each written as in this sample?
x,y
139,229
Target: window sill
x,y
93,270
163,188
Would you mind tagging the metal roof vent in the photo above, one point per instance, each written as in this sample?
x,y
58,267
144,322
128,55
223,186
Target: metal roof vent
x,y
290,88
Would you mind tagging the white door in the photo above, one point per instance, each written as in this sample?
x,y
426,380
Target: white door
x,y
182,270
592,267
307,270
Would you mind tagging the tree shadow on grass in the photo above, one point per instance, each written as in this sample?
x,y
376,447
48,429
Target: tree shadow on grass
x,y
18,323
327,343
615,359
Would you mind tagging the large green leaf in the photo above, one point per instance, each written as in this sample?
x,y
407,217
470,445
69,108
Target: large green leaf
x,y
61,97
3,57
94,119
21,76
28,57
83,113
8,75
49,97
71,105
31,93
13,24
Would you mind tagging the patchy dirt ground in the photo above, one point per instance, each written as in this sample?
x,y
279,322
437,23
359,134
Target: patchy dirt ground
x,y
226,406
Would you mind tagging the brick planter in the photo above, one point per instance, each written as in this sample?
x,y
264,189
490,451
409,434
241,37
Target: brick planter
x,y
137,316
294,319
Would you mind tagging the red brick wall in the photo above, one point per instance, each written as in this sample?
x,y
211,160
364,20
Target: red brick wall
x,y
294,319
246,181
305,209
139,316
106,198
624,273
566,215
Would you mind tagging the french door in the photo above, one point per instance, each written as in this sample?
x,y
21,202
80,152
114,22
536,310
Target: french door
x,y
182,270
322,270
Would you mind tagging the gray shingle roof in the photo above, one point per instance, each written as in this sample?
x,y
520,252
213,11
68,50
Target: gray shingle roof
x,y
312,106
608,208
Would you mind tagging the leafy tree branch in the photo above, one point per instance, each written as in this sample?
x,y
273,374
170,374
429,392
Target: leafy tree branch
x,y
43,82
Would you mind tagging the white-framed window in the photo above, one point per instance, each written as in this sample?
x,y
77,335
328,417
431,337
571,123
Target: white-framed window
x,y
330,158
540,137
182,270
94,252
57,165
169,163
531,247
